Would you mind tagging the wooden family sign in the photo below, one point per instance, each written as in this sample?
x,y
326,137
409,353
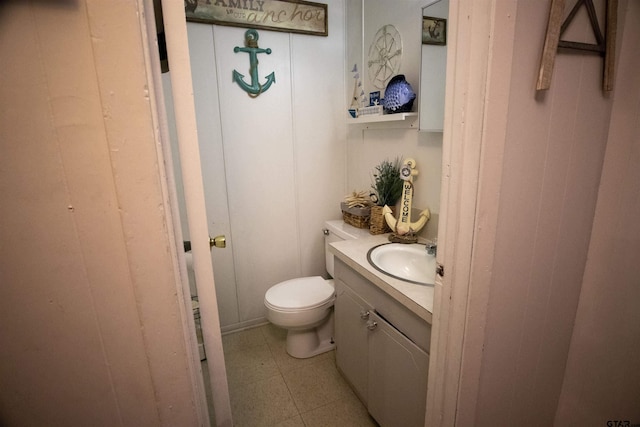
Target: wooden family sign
x,y
279,15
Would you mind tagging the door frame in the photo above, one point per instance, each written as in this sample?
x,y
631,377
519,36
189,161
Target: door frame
x,y
466,226
478,70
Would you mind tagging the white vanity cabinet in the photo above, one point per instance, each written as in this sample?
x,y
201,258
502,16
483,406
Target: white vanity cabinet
x,y
381,349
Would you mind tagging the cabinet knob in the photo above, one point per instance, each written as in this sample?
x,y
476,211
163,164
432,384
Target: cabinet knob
x,y
364,315
371,325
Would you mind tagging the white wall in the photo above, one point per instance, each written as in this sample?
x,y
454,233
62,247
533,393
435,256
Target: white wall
x,y
602,380
550,169
273,166
282,160
277,166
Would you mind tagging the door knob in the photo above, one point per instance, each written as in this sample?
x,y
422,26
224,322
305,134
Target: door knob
x,y
218,241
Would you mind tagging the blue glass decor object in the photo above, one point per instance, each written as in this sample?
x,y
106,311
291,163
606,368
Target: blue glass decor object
x,y
398,96
255,88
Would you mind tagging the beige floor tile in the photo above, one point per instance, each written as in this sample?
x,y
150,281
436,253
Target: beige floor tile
x,y
250,365
273,334
277,340
237,341
270,388
317,384
263,403
345,412
291,422
287,363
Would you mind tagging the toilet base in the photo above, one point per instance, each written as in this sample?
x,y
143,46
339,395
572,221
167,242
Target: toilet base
x,y
303,344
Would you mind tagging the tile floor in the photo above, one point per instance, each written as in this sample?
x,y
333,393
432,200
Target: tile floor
x,y
270,388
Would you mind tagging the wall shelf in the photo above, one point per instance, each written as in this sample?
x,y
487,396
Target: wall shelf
x,y
406,119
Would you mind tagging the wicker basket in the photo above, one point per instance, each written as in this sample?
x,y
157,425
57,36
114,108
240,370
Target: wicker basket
x,y
377,223
357,217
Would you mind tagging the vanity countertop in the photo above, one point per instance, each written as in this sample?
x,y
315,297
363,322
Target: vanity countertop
x,y
417,298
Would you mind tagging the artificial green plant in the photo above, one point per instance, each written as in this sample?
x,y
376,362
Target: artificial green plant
x,y
387,184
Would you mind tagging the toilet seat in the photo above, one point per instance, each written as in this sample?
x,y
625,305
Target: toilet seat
x,y
304,293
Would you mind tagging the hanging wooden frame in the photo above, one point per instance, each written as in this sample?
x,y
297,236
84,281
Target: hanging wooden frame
x,y
291,16
605,45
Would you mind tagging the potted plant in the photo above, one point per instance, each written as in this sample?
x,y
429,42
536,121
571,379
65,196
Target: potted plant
x,y
387,190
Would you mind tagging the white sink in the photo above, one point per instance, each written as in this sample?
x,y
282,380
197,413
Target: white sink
x,y
408,262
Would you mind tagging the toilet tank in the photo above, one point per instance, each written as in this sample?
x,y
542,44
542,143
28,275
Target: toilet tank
x,y
335,231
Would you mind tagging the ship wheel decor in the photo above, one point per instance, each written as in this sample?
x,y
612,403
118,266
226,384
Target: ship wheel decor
x,y
605,45
385,56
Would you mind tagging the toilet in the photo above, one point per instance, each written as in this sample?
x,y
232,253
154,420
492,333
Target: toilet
x,y
304,306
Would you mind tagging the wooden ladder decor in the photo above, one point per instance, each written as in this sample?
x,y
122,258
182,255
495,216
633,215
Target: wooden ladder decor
x,y
605,46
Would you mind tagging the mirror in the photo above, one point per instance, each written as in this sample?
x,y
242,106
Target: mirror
x,y
433,65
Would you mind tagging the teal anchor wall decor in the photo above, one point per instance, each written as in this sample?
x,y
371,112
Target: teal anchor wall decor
x,y
251,47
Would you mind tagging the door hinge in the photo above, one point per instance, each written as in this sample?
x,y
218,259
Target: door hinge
x,y
440,269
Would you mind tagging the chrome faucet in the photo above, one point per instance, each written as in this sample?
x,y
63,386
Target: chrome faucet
x,y
432,249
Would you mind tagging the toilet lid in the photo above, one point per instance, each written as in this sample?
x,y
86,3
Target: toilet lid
x,y
301,293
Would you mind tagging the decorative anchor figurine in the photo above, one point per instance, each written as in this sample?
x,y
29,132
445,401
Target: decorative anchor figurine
x,y
251,47
404,231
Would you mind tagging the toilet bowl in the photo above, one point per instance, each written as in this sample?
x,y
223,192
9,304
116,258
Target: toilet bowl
x,y
304,306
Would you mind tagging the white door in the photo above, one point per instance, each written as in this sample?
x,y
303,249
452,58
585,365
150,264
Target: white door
x,y
185,121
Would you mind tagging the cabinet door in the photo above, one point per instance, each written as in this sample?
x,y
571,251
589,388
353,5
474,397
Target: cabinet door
x,y
351,337
397,377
